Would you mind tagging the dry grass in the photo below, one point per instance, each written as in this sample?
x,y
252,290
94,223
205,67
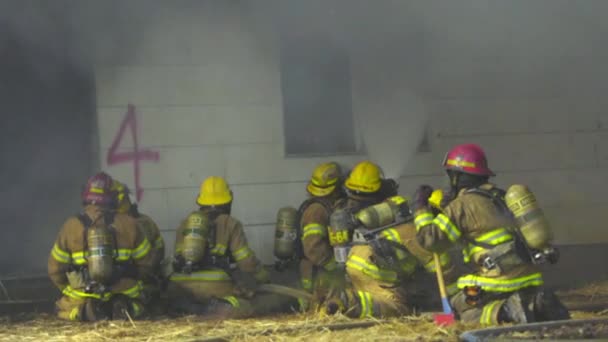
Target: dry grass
x,y
591,290
287,327
43,327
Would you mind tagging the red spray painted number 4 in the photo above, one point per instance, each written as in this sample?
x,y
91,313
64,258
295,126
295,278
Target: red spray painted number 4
x,y
136,155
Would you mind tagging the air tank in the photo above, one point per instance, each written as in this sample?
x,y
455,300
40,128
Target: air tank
x,y
286,233
341,226
529,216
100,259
196,234
384,213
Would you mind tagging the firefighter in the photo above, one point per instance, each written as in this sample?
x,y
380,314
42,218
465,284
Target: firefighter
x,y
152,285
208,241
364,186
324,190
506,286
386,265
98,259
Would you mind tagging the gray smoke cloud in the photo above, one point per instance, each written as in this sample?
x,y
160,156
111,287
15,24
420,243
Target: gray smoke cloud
x,y
404,54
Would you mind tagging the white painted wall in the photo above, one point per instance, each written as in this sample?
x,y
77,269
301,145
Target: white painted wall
x,y
208,99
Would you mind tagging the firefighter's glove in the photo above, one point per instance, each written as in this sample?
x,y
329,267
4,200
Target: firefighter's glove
x,y
448,196
76,279
421,197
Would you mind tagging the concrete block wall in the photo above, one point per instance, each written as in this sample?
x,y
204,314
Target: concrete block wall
x,y
207,95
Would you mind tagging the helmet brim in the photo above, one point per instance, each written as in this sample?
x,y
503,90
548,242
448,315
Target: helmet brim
x,y
318,191
214,200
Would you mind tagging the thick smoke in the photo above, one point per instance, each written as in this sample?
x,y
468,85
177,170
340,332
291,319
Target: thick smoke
x,y
406,56
47,97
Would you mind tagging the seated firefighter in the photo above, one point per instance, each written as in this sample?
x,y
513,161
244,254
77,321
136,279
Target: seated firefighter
x,y
302,234
208,241
125,206
504,236
386,265
99,258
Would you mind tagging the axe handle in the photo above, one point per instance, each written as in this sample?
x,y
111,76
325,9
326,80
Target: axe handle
x,y
444,296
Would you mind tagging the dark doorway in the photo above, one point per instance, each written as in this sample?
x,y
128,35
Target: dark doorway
x,y
47,140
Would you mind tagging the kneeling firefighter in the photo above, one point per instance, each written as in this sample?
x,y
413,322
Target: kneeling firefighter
x,y
505,237
364,186
208,241
153,284
302,234
99,258
385,264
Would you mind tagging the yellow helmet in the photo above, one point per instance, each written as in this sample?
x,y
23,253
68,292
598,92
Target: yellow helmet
x,y
365,177
122,196
214,191
324,179
435,199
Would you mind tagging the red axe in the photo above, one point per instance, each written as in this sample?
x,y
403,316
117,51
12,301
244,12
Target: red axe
x,y
447,317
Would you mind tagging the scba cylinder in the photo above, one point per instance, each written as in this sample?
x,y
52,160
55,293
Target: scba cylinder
x,y
286,233
384,213
196,234
529,216
100,259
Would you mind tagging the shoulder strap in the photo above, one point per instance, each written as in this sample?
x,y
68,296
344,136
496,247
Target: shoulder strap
x,y
312,200
496,195
86,222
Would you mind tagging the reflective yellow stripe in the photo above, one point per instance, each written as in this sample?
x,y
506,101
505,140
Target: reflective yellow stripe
x,y
501,285
133,292
141,250
325,184
397,199
233,301
242,253
219,249
330,265
422,220
159,243
391,234
365,299
371,270
486,314
313,229
78,258
459,163
75,314
123,254
72,293
446,226
493,237
207,275
444,259
60,255
96,190
306,283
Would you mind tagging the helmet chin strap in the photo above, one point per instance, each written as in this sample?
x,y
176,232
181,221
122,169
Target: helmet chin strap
x,y
454,178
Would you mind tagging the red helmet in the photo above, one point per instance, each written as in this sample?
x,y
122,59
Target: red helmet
x,y
467,158
98,191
